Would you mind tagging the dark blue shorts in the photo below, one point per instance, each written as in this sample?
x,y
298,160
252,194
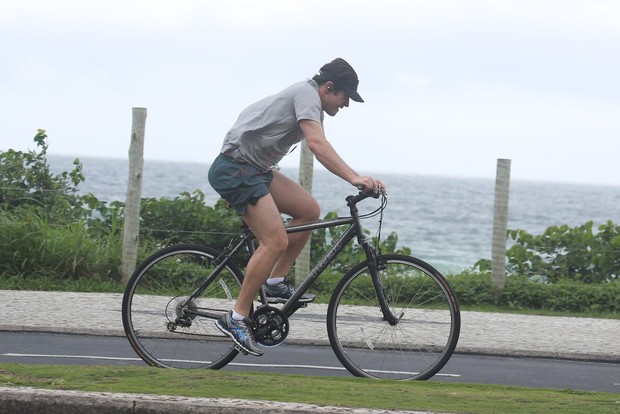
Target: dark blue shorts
x,y
238,182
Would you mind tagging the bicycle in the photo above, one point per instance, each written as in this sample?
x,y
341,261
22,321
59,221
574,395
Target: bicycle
x,y
391,316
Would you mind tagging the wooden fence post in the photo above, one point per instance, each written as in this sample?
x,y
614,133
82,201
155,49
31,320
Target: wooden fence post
x,y
500,225
131,226
306,169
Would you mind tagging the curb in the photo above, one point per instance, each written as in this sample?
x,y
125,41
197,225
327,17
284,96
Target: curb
x,y
33,401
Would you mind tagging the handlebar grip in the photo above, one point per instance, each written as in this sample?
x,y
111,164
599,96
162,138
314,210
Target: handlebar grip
x,y
362,196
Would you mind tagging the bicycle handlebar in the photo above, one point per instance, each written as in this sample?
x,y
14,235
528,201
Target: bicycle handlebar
x,y
352,200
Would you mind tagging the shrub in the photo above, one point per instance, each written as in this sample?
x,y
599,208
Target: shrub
x,y
31,246
47,228
26,182
187,219
520,292
562,252
473,289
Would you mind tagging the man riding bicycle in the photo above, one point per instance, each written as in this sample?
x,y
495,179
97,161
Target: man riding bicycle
x,y
242,174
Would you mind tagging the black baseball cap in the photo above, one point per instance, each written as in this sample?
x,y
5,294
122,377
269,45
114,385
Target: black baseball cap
x,y
343,76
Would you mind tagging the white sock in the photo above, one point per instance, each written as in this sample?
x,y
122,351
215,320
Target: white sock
x,y
236,316
272,281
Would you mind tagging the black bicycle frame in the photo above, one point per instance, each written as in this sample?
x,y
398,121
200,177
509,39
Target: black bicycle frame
x,y
293,304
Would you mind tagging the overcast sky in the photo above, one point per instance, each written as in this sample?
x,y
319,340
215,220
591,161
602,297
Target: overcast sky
x,y
450,86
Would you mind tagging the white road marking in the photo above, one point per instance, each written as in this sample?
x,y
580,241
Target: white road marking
x,y
318,367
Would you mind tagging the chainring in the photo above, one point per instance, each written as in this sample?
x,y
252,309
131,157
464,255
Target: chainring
x,y
270,326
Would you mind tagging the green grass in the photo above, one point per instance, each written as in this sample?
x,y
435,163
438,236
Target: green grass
x,y
350,392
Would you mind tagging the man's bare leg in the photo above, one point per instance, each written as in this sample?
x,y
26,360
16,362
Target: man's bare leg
x,y
266,223
291,199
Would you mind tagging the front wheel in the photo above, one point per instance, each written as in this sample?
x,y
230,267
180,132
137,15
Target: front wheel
x,y
427,325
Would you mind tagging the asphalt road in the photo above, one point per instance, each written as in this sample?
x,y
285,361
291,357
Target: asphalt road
x,y
45,348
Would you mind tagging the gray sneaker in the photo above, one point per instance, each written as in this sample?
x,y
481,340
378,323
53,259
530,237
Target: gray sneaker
x,y
240,332
282,292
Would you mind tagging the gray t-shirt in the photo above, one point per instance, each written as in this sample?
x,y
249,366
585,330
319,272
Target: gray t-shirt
x,y
266,130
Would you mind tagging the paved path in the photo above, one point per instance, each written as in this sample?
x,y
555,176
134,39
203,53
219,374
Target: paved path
x,y
481,332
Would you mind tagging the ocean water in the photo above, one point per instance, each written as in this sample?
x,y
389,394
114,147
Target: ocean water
x,y
446,221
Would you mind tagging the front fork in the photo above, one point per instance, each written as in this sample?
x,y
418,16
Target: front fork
x,y
375,263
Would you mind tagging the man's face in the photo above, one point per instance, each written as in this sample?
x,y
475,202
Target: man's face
x,y
334,101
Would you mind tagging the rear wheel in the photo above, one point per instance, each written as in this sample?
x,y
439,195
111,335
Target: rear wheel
x,y
428,323
164,327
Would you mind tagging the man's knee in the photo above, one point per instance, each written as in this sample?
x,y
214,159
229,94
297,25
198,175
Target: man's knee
x,y
278,245
315,210
311,210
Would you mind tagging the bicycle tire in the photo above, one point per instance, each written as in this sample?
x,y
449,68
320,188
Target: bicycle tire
x,y
422,340
151,304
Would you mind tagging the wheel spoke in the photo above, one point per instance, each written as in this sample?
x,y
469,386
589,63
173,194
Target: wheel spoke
x,y
164,324
427,328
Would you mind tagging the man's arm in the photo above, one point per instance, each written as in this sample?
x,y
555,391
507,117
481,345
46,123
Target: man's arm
x,y
327,155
